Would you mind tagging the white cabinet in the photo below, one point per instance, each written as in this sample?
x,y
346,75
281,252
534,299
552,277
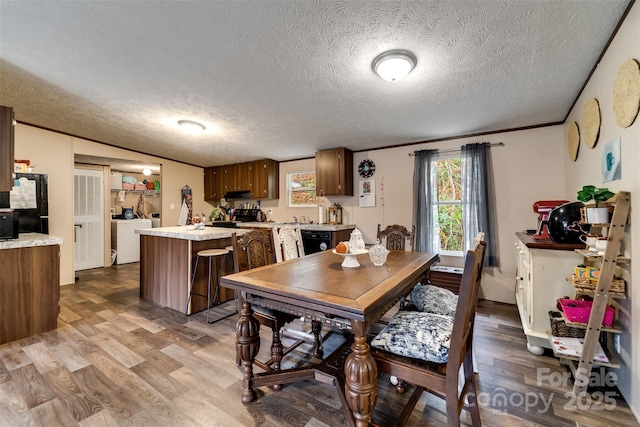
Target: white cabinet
x,y
540,281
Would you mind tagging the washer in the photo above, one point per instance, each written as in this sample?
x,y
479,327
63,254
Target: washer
x,y
125,240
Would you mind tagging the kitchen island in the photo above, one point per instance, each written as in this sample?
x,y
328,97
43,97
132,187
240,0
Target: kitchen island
x,y
29,285
167,256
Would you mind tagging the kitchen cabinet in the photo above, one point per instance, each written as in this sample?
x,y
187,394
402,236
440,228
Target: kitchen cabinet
x,y
264,179
6,148
260,178
543,267
334,172
29,291
214,183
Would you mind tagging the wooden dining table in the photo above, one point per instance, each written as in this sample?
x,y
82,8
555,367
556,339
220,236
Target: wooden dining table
x,y
318,287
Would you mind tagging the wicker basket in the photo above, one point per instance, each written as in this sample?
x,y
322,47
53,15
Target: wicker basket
x,y
585,284
560,329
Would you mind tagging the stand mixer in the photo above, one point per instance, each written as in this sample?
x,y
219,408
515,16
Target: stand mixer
x,y
542,208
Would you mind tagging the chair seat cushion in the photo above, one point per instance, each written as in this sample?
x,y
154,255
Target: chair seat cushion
x,y
435,300
416,334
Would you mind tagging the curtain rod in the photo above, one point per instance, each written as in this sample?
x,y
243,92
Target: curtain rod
x,y
451,150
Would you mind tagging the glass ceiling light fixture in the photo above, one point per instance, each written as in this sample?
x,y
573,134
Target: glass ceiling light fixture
x,y
191,127
394,65
146,171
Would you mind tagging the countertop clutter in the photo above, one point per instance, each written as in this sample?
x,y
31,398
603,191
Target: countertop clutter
x,y
183,232
28,240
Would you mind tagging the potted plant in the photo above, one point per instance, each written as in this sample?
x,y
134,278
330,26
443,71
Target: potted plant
x,y
597,214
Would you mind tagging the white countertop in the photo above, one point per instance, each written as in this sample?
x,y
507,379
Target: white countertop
x,y
27,240
312,227
182,232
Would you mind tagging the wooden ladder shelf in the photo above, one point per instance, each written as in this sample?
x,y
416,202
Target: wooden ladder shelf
x,y
601,295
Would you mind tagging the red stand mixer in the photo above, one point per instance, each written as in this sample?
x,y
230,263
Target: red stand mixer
x,y
542,208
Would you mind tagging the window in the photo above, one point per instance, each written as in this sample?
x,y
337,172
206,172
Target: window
x,y
301,189
449,204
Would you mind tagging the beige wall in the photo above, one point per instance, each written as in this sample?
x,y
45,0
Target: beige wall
x,y
53,154
587,170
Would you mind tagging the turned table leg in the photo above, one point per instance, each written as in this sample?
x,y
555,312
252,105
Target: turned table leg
x,y
247,347
361,381
316,329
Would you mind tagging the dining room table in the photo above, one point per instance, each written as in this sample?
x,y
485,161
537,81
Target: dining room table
x,y
318,287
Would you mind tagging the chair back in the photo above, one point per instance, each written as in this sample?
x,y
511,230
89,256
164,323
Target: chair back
x,y
394,237
251,250
288,243
462,334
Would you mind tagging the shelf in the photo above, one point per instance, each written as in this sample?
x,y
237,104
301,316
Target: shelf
x,y
612,363
591,291
615,328
591,256
137,191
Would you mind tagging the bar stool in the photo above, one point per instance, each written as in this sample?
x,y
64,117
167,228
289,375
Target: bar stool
x,y
210,254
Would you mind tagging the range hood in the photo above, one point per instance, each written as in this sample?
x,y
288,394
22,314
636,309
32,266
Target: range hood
x,y
242,194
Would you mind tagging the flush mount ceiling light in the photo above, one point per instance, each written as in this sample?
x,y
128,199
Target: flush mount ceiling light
x,y
146,171
191,127
394,65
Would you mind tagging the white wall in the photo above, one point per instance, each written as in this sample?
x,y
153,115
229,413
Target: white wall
x,y
587,170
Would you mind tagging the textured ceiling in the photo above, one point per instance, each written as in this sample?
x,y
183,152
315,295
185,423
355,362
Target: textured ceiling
x,y
282,79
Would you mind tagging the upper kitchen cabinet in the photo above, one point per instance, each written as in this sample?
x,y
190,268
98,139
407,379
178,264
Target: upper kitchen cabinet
x,y
214,183
6,148
260,178
264,179
334,172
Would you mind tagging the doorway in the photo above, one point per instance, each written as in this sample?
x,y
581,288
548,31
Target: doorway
x,y
88,216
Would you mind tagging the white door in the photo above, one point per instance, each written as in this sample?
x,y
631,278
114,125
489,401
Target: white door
x,y
88,216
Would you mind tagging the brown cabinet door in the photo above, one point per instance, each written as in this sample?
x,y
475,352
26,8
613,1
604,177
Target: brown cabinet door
x,y
30,291
6,148
265,179
243,177
214,183
334,170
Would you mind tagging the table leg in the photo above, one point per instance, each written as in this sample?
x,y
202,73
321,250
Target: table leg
x,y
361,381
247,347
316,329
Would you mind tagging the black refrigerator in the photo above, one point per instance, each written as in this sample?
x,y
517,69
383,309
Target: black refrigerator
x,y
31,200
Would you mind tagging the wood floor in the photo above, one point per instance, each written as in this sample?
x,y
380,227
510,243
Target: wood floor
x,y
117,360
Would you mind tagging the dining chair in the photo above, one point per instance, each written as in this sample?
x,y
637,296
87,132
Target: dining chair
x,y
435,359
394,237
288,243
253,250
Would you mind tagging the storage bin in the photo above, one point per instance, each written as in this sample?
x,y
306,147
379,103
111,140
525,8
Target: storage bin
x,y
140,186
116,181
559,327
578,311
127,186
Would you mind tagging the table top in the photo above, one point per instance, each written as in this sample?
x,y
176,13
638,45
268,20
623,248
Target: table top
x,y
318,282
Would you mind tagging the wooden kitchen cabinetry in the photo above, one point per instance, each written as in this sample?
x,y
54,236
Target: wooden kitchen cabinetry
x,y
264,179
6,148
540,280
29,291
334,172
260,178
